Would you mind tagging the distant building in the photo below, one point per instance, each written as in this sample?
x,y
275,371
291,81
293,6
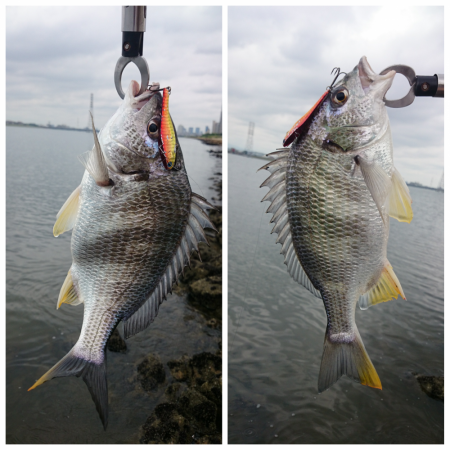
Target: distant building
x,y
217,126
181,131
197,131
207,130
191,130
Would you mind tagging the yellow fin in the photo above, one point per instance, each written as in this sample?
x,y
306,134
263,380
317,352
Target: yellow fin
x,y
387,288
368,375
400,199
344,354
65,219
68,294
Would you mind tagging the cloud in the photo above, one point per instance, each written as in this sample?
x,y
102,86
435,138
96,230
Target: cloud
x,y
280,59
57,56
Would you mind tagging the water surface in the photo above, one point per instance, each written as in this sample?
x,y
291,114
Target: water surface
x,y
277,328
42,170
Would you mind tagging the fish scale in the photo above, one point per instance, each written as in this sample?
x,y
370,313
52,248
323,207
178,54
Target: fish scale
x,y
339,186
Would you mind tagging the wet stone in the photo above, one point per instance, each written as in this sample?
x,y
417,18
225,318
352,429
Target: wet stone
x,y
207,293
166,426
198,409
116,343
151,372
179,368
173,391
432,386
204,366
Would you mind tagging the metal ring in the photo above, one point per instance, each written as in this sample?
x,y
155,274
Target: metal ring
x,y
410,75
141,64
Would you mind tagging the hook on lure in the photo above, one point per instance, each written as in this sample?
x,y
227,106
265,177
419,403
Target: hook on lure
x,y
149,88
337,71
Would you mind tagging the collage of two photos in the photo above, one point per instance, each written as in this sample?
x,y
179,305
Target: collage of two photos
x,y
313,313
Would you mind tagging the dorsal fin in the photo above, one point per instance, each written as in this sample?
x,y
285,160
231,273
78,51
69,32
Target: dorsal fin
x,y
197,221
94,161
278,207
302,124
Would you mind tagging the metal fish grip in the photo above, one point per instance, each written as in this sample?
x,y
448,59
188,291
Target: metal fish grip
x,y
133,29
420,86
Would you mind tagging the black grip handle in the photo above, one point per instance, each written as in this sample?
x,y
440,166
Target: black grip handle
x,y
426,86
132,43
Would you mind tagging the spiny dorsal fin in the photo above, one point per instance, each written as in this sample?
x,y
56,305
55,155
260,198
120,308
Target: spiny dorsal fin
x,y
277,196
400,199
387,288
67,294
197,221
94,161
67,215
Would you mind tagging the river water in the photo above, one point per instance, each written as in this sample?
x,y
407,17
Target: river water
x,y
42,170
276,332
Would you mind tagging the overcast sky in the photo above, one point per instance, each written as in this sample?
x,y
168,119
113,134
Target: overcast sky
x,y
57,56
280,59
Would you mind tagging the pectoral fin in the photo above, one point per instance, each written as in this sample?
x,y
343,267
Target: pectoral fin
x,y
400,199
67,293
387,288
67,215
377,181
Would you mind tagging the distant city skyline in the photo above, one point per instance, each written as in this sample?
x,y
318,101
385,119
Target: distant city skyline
x,y
216,129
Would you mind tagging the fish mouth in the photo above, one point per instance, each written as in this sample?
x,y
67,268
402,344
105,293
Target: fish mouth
x,y
371,80
135,100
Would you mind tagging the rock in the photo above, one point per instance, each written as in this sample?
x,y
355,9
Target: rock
x,y
116,343
179,368
207,294
151,372
173,391
203,367
432,386
193,414
212,390
198,409
166,426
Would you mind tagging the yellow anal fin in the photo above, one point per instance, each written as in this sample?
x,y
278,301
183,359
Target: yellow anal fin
x,y
67,216
387,288
400,199
67,293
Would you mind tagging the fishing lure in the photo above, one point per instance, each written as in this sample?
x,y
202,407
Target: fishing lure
x,y
167,138
302,124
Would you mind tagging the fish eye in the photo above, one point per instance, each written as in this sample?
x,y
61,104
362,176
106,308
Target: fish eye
x,y
340,96
153,127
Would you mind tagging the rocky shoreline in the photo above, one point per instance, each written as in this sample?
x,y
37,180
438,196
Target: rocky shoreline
x,y
190,407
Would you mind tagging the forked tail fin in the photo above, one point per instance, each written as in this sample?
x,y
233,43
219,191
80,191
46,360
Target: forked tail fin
x,y
346,355
94,375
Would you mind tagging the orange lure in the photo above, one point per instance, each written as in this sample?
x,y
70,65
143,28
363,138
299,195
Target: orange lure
x,y
167,137
302,124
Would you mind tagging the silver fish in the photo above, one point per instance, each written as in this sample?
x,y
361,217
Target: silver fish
x,y
135,224
331,195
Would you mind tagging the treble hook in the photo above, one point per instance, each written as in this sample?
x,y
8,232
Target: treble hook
x,y
338,72
149,88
